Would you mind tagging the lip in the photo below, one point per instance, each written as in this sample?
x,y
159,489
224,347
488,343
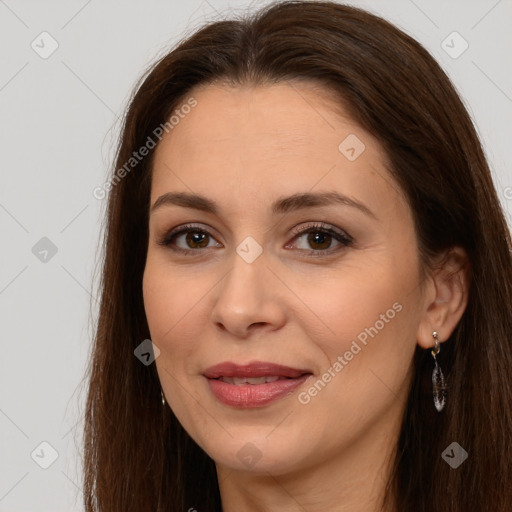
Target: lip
x,y
254,395
254,369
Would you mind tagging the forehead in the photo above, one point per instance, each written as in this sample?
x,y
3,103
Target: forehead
x,y
283,116
266,141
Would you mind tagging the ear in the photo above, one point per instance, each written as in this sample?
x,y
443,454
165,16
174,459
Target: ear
x,y
446,297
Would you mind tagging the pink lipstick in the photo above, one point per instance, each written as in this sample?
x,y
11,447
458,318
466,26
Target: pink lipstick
x,y
255,384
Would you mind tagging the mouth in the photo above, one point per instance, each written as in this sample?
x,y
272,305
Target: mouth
x,y
255,384
254,370
239,381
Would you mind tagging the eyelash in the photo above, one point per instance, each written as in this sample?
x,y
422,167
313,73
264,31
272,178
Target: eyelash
x,y
344,239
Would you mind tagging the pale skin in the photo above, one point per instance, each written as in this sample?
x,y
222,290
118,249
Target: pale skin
x,y
244,148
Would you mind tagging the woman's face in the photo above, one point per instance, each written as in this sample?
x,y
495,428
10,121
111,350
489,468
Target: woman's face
x,y
306,258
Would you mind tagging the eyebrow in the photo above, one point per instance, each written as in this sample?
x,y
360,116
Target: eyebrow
x,y
280,206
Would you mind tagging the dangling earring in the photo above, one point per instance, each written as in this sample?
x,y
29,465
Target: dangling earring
x,y
438,382
163,397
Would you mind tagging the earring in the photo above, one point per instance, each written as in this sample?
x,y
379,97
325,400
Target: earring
x,y
163,397
438,382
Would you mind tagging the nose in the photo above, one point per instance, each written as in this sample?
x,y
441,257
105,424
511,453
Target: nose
x,y
248,299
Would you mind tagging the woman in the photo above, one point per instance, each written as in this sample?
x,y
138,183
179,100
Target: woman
x,y
302,221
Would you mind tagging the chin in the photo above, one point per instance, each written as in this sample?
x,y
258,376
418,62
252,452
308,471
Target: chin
x,y
256,453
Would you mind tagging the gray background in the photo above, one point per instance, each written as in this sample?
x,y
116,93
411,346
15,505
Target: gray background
x,y
59,123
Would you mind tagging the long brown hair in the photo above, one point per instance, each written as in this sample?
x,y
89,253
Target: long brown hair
x,y
137,457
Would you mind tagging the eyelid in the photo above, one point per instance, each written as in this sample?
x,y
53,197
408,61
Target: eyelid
x,y
321,226
166,239
341,236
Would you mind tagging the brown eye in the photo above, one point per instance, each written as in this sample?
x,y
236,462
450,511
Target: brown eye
x,y
196,237
191,238
318,239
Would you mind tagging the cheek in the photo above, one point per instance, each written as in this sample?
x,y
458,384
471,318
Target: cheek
x,y
358,303
170,301
366,316
159,301
172,307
